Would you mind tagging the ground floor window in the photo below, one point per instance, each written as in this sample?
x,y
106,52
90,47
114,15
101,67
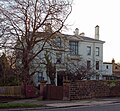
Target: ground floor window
x,y
40,76
88,64
97,65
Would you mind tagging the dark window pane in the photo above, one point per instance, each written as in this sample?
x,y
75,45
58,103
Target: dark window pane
x,y
73,47
88,64
97,65
97,51
88,50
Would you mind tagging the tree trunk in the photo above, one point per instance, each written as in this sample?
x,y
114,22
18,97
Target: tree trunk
x,y
52,80
25,72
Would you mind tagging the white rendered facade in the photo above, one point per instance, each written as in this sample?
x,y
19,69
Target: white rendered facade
x,y
85,49
107,68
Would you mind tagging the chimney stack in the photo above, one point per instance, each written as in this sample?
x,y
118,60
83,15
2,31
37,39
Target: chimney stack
x,y
113,60
97,32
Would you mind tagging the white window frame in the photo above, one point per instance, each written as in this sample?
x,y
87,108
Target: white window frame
x,y
97,51
88,50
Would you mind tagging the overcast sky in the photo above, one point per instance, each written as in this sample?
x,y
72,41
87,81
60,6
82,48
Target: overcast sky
x,y
87,14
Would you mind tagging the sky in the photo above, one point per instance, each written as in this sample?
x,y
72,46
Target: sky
x,y
86,14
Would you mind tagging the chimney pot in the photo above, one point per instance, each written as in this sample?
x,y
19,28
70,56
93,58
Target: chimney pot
x,y
76,32
82,34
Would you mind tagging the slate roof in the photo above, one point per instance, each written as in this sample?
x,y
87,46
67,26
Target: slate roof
x,y
72,37
82,38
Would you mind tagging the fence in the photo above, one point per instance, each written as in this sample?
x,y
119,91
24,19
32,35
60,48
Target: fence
x,y
26,91
11,91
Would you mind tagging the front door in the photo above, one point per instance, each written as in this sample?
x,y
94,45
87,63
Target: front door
x,y
60,75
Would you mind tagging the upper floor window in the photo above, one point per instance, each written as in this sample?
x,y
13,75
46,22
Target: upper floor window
x,y
97,51
58,58
58,42
116,67
106,66
73,47
88,50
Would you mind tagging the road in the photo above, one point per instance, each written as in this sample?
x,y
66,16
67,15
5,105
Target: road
x,y
112,107
106,107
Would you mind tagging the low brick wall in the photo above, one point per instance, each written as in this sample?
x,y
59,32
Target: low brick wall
x,y
90,89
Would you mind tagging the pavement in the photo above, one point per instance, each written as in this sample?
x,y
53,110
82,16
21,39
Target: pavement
x,y
63,104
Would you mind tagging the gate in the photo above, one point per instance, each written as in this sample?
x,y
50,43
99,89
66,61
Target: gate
x,y
29,91
54,92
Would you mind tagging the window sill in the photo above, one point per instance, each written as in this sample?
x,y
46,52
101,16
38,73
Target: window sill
x,y
75,57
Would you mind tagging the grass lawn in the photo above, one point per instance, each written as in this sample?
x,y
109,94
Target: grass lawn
x,y
19,105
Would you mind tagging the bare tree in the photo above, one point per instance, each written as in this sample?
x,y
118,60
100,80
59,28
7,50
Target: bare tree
x,y
4,68
31,25
79,71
